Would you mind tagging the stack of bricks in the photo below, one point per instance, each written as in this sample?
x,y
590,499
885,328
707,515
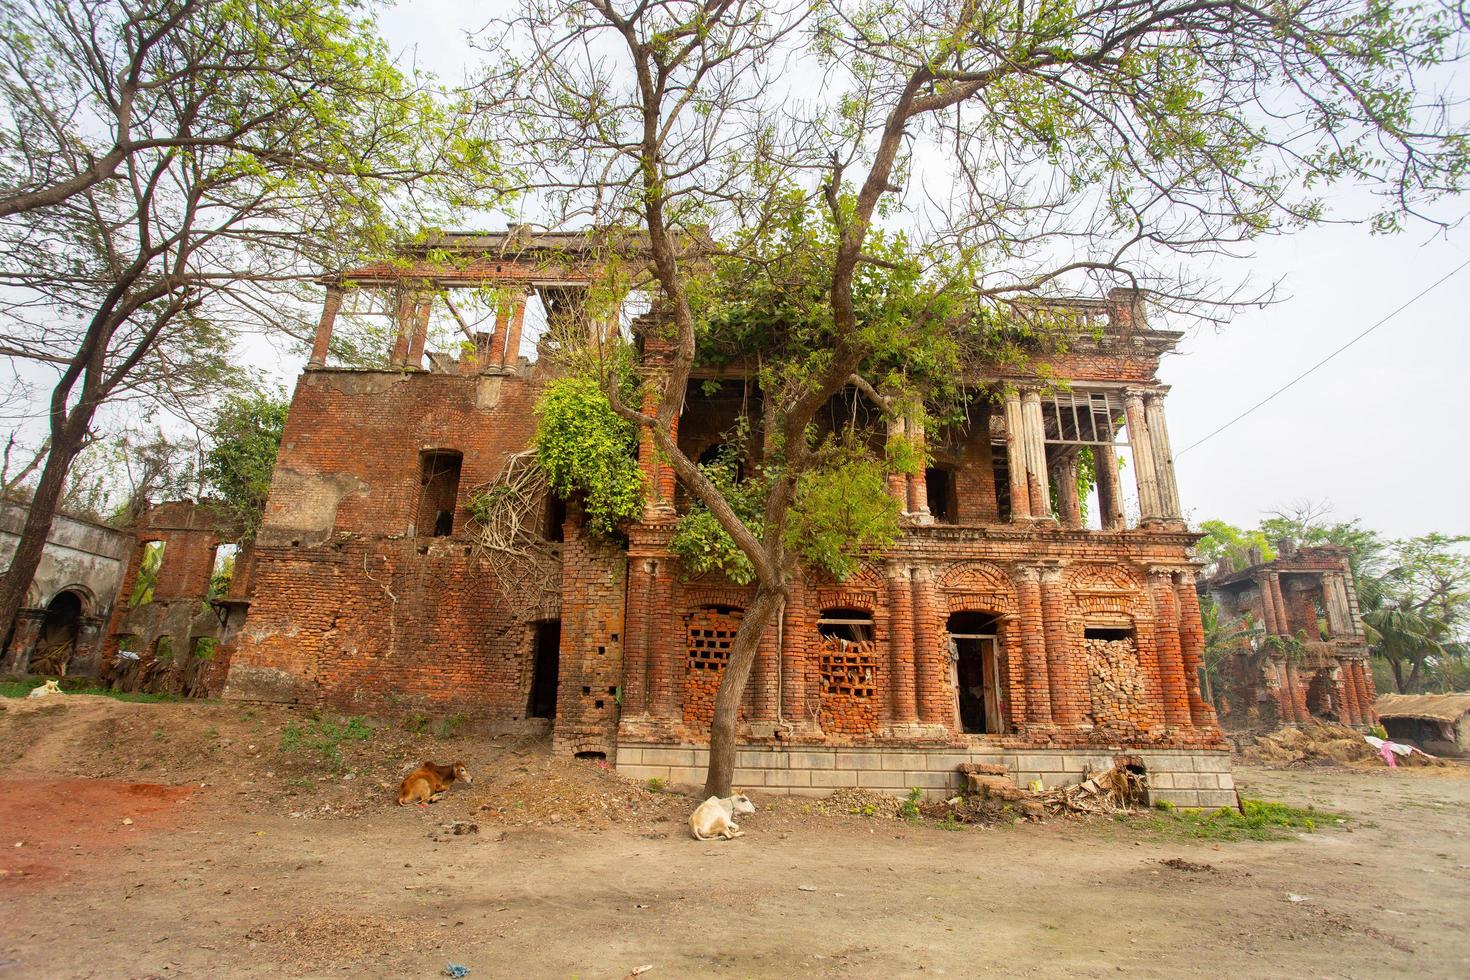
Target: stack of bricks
x,y
848,701
1115,681
711,634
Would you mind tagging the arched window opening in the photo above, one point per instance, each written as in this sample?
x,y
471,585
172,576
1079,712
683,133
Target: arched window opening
x,y
150,562
975,658
439,476
58,634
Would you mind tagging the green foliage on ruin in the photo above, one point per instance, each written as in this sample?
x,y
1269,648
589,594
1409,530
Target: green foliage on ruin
x,y
843,513
589,452
699,541
245,436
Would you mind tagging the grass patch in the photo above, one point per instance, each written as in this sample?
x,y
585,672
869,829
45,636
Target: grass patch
x,y
325,736
450,727
22,687
1261,820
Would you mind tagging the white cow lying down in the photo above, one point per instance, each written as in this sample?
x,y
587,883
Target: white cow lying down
x,y
45,690
713,817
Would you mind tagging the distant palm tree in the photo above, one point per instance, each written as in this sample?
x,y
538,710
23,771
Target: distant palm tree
x,y
1223,641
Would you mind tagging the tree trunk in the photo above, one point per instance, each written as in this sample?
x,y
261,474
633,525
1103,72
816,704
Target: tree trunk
x,y
732,688
1398,674
17,579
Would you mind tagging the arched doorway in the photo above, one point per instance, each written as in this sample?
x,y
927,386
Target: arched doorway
x,y
1319,697
975,655
58,639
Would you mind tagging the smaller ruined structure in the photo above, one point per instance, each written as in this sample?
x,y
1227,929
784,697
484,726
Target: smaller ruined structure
x,y
182,599
1437,723
1309,658
59,629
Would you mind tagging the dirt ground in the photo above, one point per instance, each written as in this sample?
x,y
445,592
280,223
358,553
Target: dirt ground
x,y
175,840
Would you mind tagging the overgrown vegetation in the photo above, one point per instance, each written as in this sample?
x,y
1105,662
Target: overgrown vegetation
x,y
587,451
245,436
1261,821
80,685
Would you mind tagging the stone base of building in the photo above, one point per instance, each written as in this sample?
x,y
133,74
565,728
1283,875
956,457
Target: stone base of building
x,y
1182,777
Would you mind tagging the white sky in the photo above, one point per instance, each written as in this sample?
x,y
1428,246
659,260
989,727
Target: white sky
x,y
1380,431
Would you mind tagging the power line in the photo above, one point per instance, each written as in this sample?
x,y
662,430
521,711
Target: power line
x,y
1408,303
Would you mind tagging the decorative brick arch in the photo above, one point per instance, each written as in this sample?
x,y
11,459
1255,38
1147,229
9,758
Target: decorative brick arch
x,y
709,595
88,597
860,590
978,586
1103,578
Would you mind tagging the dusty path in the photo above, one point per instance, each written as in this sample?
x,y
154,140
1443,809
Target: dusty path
x,y
225,887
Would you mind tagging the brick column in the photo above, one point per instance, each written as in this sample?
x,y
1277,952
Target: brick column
x,y
324,327
635,636
666,653
658,475
1192,650
403,321
1171,654
1163,459
901,687
1038,481
28,622
1268,608
763,674
1067,685
1109,492
1143,455
1296,693
422,308
793,657
928,661
1278,602
1016,457
1032,630
898,483
1369,694
918,498
1069,503
1347,695
512,351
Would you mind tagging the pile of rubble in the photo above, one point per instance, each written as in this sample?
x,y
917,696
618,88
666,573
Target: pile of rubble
x,y
1322,744
991,795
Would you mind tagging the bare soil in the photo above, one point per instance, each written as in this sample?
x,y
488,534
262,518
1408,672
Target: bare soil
x,y
175,840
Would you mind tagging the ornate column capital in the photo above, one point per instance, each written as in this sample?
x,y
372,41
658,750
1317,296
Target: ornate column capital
x,y
1027,572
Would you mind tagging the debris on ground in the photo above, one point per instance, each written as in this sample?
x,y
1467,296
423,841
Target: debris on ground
x,y
1322,744
1179,864
990,796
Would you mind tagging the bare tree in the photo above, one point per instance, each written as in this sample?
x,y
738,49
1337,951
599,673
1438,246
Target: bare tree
x,y
1035,146
174,170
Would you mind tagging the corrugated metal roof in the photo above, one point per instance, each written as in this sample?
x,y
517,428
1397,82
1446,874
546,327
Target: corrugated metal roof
x,y
1440,707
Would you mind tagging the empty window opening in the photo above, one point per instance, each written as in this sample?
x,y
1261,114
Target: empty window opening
x,y
592,756
975,662
545,670
204,647
1107,633
439,477
556,517
223,572
163,648
129,643
1087,418
150,561
1000,466
939,483
1320,700
852,625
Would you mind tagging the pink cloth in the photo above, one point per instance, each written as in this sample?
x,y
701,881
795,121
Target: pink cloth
x,y
1386,751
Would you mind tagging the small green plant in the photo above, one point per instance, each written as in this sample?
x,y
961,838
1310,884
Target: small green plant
x,y
909,808
450,727
866,810
290,737
1164,805
1380,731
159,735
416,723
655,784
950,823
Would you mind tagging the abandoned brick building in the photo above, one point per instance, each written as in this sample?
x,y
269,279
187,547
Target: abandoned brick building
x,y
1001,627
1308,656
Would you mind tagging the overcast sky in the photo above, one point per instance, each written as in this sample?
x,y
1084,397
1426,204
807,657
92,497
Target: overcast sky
x,y
1381,431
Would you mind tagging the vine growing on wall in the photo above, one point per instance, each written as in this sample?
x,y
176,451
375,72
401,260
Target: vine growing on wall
x,y
587,450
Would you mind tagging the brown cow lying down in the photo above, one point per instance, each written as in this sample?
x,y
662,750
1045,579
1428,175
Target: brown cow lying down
x,y
429,782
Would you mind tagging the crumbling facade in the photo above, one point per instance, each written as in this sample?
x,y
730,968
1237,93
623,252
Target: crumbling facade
x,y
61,626
1308,658
171,633
1004,626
